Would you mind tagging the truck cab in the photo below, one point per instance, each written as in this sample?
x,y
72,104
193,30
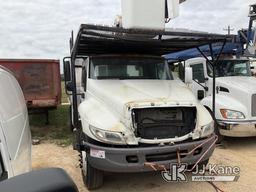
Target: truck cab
x,y
235,94
15,138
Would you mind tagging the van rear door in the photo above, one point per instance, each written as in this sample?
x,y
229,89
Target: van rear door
x,y
4,165
14,120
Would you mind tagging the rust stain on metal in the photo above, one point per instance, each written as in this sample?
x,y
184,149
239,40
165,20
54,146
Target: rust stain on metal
x,y
39,80
137,103
155,166
117,127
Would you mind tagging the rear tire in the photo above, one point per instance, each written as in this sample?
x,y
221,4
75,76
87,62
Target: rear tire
x,y
92,177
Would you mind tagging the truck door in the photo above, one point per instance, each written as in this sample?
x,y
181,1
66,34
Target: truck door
x,y
199,80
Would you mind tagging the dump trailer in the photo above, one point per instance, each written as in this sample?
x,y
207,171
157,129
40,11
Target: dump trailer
x,y
40,81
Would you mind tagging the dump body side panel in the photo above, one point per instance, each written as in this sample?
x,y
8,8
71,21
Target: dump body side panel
x,y
39,80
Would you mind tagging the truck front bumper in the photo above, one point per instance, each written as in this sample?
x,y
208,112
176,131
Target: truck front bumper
x,y
137,159
237,128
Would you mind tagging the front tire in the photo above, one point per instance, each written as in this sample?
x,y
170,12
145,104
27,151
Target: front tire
x,y
92,177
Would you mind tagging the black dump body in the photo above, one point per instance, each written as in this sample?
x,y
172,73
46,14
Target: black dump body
x,y
96,40
163,123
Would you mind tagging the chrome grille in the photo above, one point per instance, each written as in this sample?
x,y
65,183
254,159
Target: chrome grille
x,y
254,105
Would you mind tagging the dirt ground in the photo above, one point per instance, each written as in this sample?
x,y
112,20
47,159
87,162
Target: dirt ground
x,y
234,152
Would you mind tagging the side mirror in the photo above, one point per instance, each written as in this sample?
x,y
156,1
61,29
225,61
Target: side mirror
x,y
252,67
188,75
69,86
46,180
67,71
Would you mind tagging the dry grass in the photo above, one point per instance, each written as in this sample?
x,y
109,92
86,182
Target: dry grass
x,y
64,98
58,130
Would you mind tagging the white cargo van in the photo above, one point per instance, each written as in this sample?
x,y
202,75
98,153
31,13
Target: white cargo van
x,y
15,137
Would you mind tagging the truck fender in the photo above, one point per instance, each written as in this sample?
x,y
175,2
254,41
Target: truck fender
x,y
95,113
223,102
204,117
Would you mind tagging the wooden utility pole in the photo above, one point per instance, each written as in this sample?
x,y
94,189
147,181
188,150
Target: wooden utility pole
x,y
228,30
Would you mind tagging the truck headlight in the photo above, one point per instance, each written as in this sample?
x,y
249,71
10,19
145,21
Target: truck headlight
x,y
107,136
231,114
207,129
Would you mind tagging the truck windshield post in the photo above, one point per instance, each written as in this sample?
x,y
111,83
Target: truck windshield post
x,y
213,63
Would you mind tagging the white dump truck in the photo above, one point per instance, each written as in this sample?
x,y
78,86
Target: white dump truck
x,y
235,105
128,113
15,138
134,115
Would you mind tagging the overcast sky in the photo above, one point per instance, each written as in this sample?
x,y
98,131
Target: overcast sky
x,y
41,28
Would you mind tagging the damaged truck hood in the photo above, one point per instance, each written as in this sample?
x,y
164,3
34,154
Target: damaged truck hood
x,y
108,103
120,94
